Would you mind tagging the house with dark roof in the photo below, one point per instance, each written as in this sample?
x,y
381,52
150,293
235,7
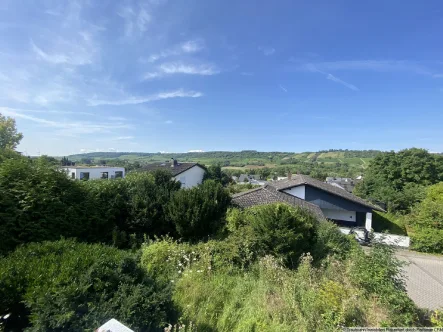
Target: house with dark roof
x,y
334,203
188,174
268,194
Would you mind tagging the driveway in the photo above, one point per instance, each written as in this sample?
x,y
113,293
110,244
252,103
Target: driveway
x,y
424,281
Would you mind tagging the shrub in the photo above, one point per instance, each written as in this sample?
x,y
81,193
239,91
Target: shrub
x,y
330,241
39,203
66,285
427,240
379,273
199,212
426,221
278,229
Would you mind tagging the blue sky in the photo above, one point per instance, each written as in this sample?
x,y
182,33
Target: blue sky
x,y
182,75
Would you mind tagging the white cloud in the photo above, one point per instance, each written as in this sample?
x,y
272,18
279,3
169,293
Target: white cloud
x,y
69,128
149,76
44,111
116,118
77,56
196,151
192,46
314,69
180,68
121,138
337,80
172,68
180,93
188,47
267,51
421,68
136,20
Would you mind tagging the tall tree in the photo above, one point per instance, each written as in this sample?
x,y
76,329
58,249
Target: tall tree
x,y
399,178
9,137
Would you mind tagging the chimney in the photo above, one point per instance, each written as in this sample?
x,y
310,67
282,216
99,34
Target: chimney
x,y
289,175
173,162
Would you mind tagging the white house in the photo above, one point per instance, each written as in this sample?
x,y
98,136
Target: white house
x,y
188,174
94,172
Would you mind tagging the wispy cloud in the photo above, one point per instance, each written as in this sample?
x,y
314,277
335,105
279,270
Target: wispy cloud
x,y
172,68
136,20
187,47
283,88
77,56
180,93
267,51
313,68
192,46
337,80
21,110
421,68
122,138
116,118
168,121
180,68
69,128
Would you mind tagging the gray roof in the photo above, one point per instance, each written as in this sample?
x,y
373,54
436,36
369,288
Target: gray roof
x,y
298,180
268,194
176,170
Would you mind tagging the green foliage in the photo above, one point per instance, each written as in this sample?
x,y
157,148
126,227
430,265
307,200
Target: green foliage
x,y
277,229
64,285
40,203
379,273
426,221
269,297
214,172
9,137
399,178
331,242
198,212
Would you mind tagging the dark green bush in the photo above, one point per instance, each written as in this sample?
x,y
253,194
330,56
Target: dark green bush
x,y
198,212
279,229
38,202
64,285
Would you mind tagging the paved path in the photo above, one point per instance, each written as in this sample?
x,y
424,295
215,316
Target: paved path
x,y
424,281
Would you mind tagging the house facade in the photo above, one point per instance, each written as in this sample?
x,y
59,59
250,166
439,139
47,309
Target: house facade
x,y
94,172
335,203
188,174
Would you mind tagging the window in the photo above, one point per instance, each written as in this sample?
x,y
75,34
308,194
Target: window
x,y
118,174
103,175
84,176
73,175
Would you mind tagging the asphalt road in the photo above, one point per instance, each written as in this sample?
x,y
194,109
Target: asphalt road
x,y
424,278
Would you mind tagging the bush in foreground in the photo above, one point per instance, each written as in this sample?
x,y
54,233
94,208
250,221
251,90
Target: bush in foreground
x,y
72,286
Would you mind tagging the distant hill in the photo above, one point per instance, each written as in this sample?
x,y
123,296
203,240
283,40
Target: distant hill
x,y
241,159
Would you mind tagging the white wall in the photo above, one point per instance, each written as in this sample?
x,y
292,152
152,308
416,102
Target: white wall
x,y
390,239
297,191
94,172
191,177
340,215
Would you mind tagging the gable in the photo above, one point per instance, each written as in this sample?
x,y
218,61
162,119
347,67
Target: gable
x,y
327,200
